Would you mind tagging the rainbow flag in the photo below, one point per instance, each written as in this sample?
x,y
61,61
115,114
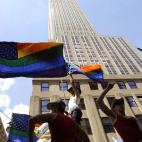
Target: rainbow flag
x,y
43,59
93,72
42,133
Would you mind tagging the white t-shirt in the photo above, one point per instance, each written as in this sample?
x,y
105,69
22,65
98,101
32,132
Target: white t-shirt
x,y
73,103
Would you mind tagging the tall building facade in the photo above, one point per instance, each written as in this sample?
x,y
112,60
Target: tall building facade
x,y
84,46
3,137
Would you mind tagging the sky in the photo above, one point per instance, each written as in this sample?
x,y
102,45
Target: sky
x,y
27,21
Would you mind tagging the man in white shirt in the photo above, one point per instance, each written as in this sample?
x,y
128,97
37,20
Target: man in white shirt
x,y
74,101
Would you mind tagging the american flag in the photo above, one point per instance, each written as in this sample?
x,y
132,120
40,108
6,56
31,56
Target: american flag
x,y
19,121
18,128
8,50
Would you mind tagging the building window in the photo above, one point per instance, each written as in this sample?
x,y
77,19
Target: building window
x,y
104,85
110,100
140,99
107,124
139,118
121,85
93,85
43,105
85,125
95,100
81,104
44,86
63,86
132,84
131,101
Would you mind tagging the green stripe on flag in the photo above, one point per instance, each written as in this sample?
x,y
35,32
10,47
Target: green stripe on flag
x,y
45,55
18,133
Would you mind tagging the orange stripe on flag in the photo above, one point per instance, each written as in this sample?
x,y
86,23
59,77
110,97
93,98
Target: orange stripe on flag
x,y
25,49
91,68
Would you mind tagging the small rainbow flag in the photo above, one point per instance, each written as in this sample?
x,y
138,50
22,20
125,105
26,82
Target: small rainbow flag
x,y
42,135
43,59
93,72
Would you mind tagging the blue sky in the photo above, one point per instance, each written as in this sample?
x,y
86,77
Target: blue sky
x,y
26,21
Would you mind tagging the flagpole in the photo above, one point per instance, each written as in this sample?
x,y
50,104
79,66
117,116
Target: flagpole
x,y
63,90
5,114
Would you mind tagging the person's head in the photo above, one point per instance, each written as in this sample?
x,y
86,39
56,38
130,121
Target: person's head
x,y
71,91
117,106
58,106
76,115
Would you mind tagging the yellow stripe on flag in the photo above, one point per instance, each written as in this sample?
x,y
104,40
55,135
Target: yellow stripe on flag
x,y
25,49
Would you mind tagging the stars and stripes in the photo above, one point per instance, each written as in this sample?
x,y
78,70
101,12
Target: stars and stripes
x,y
19,121
18,128
8,50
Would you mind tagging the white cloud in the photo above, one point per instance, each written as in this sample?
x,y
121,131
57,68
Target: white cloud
x,y
6,116
4,101
21,108
7,112
6,84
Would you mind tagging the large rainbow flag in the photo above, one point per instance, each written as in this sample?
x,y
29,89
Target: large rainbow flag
x,y
93,72
43,59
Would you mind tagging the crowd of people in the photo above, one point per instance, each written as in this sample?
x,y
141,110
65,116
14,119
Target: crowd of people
x,y
65,125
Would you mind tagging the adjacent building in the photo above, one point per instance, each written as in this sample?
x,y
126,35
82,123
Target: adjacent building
x,y
84,46
3,137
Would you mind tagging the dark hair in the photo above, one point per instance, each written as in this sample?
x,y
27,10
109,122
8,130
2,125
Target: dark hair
x,y
117,102
76,115
60,105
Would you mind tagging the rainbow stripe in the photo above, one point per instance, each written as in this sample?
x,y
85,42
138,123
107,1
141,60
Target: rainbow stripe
x,y
45,135
32,59
93,72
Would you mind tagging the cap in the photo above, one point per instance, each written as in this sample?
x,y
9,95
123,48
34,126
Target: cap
x,y
55,104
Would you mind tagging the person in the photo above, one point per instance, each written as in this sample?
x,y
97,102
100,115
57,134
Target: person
x,y
62,127
128,127
74,101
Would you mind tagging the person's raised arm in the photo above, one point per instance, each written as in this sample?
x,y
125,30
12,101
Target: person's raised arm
x,y
77,93
101,103
39,119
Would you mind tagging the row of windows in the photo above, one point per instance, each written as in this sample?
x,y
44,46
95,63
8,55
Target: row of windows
x,y
114,56
103,55
132,53
106,121
126,58
63,86
129,99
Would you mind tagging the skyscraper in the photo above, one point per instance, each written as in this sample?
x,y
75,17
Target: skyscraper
x,y
84,46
